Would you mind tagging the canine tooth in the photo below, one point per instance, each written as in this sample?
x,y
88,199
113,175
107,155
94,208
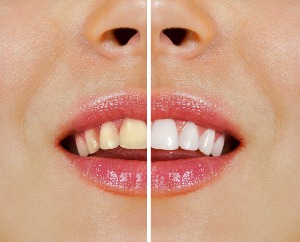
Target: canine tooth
x,y
133,134
188,137
109,137
206,141
218,146
81,146
92,140
164,135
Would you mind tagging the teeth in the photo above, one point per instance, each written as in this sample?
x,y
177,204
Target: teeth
x,y
164,135
81,146
133,134
218,146
188,137
206,141
92,140
109,137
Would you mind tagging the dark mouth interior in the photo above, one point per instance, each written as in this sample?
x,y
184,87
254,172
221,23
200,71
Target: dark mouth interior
x,y
121,153
157,155
163,155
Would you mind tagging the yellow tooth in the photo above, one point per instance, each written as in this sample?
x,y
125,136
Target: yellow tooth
x,y
109,137
133,134
81,146
92,140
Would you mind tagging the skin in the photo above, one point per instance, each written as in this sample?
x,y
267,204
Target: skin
x,y
50,61
248,58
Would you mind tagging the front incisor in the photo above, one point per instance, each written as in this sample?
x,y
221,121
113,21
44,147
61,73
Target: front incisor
x,y
133,134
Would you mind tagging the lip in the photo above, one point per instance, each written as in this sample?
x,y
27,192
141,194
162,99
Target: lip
x,y
173,177
120,176
129,177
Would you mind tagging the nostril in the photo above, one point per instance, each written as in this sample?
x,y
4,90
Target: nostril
x,y
124,35
119,36
180,36
176,35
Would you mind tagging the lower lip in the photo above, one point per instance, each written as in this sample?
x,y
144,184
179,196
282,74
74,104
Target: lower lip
x,y
182,176
114,175
120,176
129,177
168,178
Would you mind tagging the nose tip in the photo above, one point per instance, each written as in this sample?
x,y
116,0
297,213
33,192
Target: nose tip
x,y
118,29
182,29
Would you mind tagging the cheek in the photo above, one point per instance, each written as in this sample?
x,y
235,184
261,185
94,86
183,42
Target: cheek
x,y
276,46
282,52
25,40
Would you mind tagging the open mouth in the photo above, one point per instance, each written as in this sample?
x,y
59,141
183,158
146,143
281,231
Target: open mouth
x,y
191,143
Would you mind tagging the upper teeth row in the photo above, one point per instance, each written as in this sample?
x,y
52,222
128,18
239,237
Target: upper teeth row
x,y
164,135
132,135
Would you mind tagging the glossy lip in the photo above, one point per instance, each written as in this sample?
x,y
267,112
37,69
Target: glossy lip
x,y
175,177
97,110
126,177
172,177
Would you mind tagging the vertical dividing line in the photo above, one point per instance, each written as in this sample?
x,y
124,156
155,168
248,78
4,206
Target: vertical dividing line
x,y
148,120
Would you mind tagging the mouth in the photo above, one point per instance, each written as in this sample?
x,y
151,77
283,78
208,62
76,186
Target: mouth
x,y
194,139
191,139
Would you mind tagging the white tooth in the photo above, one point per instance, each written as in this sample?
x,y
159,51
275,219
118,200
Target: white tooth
x,y
206,141
81,146
109,137
164,135
218,146
188,137
133,134
92,140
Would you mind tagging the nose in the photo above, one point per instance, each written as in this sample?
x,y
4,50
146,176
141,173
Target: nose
x,y
180,28
118,29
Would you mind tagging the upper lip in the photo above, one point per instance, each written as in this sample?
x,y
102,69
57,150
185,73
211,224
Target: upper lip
x,y
119,176
129,177
203,110
97,110
180,176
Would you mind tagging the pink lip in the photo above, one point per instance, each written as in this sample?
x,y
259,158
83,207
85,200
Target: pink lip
x,y
95,111
129,177
181,176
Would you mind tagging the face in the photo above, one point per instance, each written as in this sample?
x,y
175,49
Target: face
x,y
59,61
73,81
242,58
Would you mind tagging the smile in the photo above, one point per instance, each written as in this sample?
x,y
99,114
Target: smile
x,y
191,140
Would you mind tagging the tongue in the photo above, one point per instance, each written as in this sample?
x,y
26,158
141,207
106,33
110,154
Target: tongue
x,y
141,155
164,155
123,154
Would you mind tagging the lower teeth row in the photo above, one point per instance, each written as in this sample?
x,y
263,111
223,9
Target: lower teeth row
x,y
132,134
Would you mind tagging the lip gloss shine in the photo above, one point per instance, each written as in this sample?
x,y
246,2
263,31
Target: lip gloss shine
x,y
170,177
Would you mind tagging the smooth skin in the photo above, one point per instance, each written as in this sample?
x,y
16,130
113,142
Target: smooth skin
x,y
50,60
247,58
